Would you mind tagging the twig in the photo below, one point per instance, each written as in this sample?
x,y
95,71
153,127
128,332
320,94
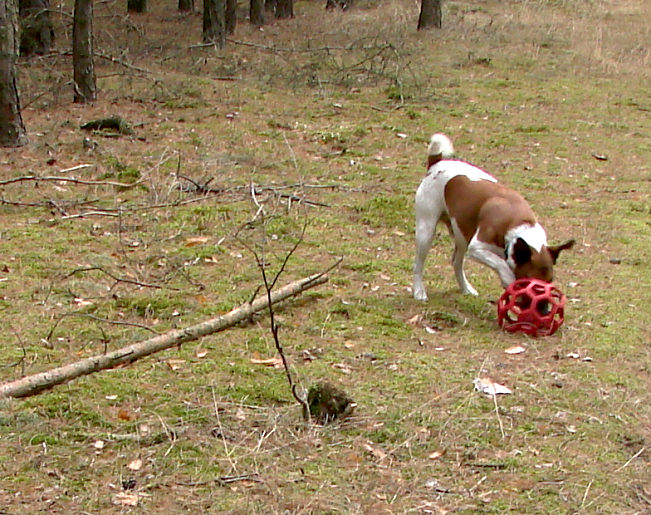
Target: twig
x,y
75,168
630,460
90,213
226,480
119,279
301,399
98,319
36,178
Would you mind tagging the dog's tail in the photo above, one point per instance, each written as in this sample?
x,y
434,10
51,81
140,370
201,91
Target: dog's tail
x,y
440,147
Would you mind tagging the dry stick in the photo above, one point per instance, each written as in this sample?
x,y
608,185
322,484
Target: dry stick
x,y
36,178
35,384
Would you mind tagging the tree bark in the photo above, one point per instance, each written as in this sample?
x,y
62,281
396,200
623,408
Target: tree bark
x,y
186,6
214,22
12,129
256,13
430,15
284,9
137,6
82,52
231,16
35,384
37,32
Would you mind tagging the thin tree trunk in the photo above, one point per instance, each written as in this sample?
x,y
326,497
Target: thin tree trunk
x,y
430,15
214,22
37,32
137,6
82,52
12,129
186,6
256,13
231,16
284,9
35,384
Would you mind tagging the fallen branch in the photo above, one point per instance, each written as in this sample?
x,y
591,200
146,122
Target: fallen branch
x,y
35,384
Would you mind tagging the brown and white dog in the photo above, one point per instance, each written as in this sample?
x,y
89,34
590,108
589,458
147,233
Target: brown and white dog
x,y
493,224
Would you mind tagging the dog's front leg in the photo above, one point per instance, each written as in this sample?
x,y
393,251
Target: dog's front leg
x,y
487,255
457,263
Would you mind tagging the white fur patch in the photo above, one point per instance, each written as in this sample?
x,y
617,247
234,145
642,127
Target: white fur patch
x,y
534,235
443,171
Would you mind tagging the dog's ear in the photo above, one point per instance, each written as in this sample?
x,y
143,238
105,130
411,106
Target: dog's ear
x,y
556,250
521,252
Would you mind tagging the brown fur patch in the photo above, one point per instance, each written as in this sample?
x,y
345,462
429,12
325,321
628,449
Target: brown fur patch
x,y
490,206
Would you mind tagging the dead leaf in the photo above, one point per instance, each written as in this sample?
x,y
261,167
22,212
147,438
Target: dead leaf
x,y
415,320
135,465
345,368
126,499
196,240
375,451
201,353
270,362
489,387
82,302
175,364
437,454
124,414
516,349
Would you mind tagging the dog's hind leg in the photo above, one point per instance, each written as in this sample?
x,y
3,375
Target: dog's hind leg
x,y
427,218
425,231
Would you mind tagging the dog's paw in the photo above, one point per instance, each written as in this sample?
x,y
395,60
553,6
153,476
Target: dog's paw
x,y
469,290
420,295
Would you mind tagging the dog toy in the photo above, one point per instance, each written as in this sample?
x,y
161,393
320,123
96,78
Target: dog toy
x,y
531,306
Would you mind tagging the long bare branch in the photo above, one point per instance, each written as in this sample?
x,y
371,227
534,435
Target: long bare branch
x,y
35,384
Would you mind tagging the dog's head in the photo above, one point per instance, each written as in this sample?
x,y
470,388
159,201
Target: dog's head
x,y
530,262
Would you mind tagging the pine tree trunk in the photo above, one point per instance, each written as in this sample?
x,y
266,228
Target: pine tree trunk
x,y
285,9
214,22
37,32
256,13
12,129
430,15
137,6
186,6
82,52
231,16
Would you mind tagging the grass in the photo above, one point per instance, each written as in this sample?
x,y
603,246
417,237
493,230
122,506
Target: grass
x,y
332,111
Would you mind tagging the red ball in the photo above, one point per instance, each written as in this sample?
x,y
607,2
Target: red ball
x,y
531,306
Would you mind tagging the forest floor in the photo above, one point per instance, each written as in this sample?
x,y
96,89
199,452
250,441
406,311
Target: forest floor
x,y
313,131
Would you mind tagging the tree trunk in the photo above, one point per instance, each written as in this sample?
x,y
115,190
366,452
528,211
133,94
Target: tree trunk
x,y
214,22
231,16
256,13
32,385
430,15
186,6
12,129
37,32
137,6
284,9
82,53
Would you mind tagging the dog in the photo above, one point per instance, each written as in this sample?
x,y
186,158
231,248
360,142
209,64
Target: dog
x,y
490,223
